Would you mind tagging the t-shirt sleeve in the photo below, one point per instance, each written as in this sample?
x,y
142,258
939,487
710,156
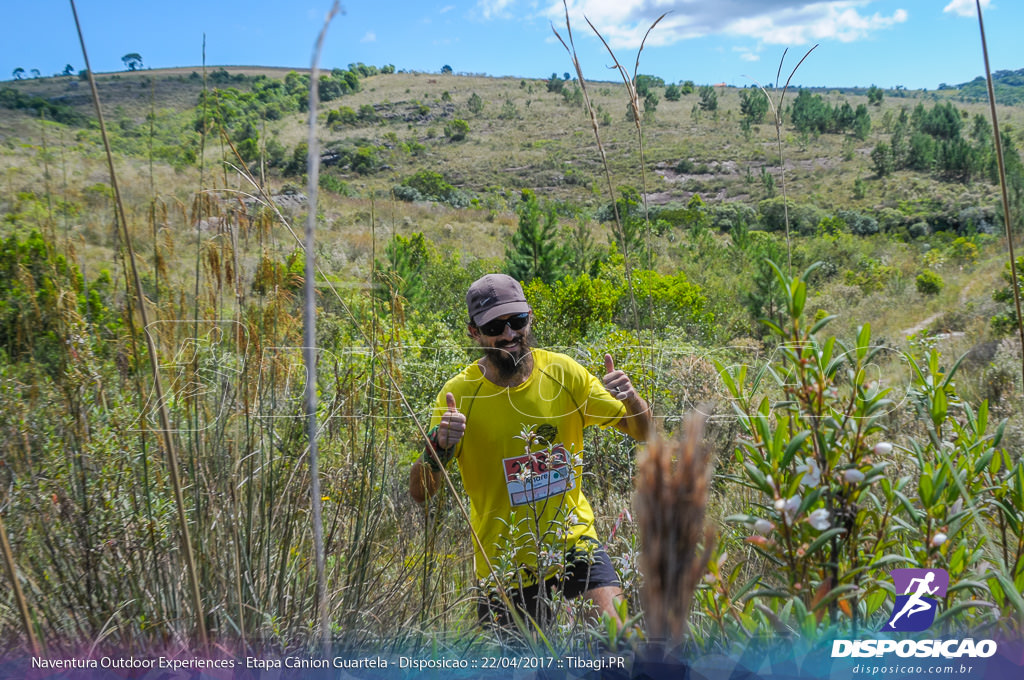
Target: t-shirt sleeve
x,y
599,406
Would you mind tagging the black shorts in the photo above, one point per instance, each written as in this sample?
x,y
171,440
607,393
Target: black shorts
x,y
585,569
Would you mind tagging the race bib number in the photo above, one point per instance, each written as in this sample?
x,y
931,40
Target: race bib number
x,y
537,476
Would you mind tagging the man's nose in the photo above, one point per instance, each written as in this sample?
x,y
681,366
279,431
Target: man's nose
x,y
508,333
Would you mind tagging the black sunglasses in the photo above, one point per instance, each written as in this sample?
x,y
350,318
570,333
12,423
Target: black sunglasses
x,y
497,326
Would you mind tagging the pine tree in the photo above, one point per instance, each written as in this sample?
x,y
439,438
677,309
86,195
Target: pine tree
x,y
583,255
401,275
764,298
534,252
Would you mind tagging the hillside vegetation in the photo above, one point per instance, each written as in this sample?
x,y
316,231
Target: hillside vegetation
x,y
809,287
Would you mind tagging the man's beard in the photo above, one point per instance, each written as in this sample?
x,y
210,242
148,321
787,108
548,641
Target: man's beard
x,y
511,363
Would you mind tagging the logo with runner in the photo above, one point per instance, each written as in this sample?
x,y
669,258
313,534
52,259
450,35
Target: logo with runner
x,y
917,591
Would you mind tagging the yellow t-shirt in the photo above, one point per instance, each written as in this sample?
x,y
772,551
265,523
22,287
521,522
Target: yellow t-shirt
x,y
525,491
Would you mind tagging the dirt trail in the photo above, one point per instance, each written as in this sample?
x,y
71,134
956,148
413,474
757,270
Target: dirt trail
x,y
921,325
924,323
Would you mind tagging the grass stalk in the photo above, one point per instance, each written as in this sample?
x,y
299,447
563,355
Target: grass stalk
x,y
11,567
52,223
777,120
309,344
1002,186
620,233
165,425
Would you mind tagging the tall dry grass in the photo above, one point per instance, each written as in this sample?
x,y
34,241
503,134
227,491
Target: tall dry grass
x,y
170,449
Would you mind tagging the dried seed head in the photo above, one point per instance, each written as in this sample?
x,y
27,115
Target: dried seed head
x,y
671,495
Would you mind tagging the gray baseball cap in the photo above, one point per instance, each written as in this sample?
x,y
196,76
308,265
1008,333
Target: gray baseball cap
x,y
495,295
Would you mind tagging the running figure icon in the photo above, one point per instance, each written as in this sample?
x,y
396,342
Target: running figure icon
x,y
915,604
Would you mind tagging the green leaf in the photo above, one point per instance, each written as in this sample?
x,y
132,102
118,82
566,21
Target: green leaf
x,y
794,445
1010,590
769,593
960,607
726,377
810,270
875,471
746,588
758,478
998,436
907,506
809,500
772,326
822,322
984,461
782,278
825,353
956,560
835,594
939,407
963,585
825,537
799,299
952,371
764,431
874,600
925,488
863,340
886,560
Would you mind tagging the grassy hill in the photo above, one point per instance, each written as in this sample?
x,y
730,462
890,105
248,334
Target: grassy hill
x,y
520,135
1008,86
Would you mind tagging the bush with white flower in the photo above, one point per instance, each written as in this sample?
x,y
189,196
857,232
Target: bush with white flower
x,y
835,505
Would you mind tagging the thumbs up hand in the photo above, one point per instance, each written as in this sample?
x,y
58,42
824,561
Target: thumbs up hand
x,y
617,383
452,426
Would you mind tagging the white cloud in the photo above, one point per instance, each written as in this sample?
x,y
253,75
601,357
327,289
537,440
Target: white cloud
x,y
369,37
493,9
786,22
965,8
446,9
747,54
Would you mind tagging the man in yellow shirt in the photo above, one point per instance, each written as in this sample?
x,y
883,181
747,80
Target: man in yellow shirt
x,y
514,420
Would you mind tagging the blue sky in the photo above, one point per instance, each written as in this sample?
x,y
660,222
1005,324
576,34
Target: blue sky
x,y
913,43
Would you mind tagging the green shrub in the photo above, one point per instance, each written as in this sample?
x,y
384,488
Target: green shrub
x,y
929,283
331,183
803,217
870,275
572,309
344,115
427,185
1005,322
963,251
456,130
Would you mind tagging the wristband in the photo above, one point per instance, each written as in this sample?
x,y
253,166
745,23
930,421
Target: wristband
x,y
444,455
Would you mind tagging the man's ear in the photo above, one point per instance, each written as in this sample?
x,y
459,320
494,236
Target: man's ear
x,y
472,331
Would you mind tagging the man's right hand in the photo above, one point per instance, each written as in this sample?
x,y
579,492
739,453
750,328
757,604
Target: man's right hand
x,y
452,425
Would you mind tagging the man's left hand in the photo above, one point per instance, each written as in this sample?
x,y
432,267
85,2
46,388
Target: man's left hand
x,y
618,383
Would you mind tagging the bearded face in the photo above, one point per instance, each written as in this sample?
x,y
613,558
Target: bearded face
x,y
508,355
508,352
